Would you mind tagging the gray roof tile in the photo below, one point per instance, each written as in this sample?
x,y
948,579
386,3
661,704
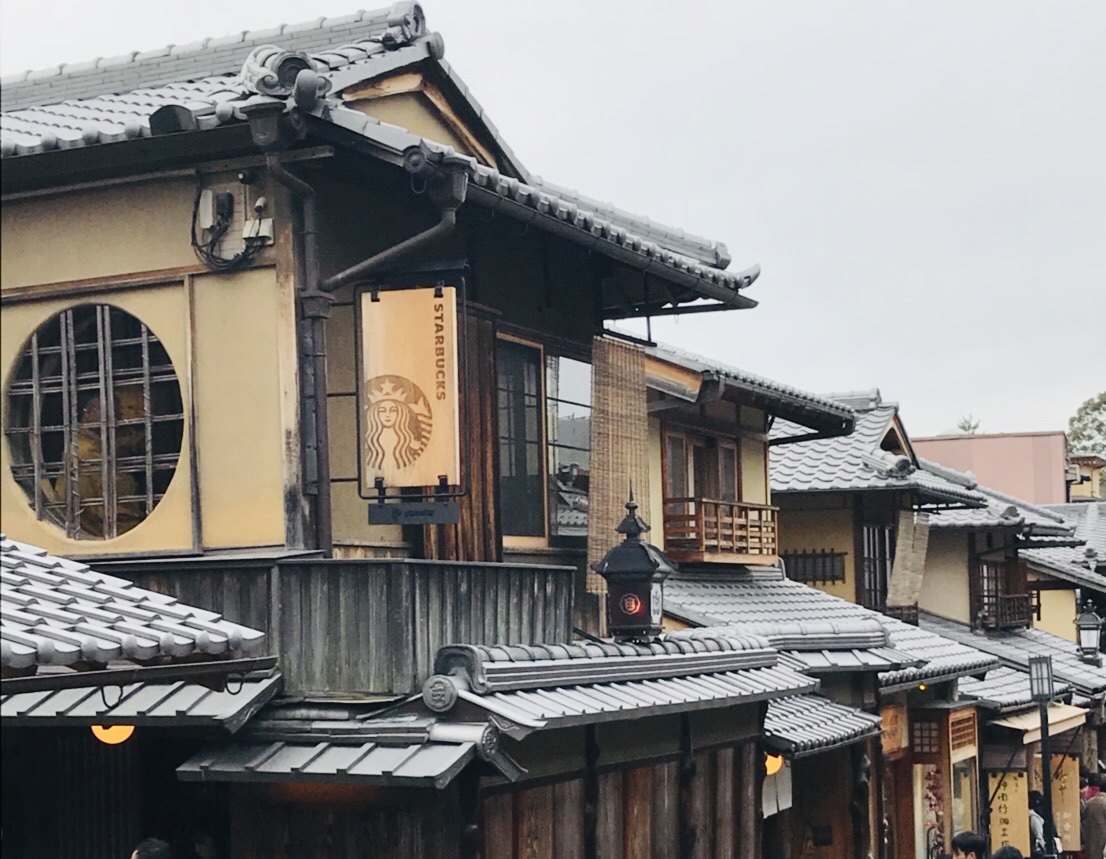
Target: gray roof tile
x,y
855,462
1014,647
54,611
1003,689
87,79
1086,563
760,605
564,706
532,688
424,764
156,704
802,725
1001,509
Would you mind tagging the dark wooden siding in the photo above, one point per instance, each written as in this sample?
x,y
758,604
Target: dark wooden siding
x,y
477,537
288,821
374,626
638,814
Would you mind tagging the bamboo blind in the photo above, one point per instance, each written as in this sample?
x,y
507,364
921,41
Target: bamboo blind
x,y
619,444
910,559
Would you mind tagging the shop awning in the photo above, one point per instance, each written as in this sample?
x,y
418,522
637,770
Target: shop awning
x,y
149,704
1061,717
807,724
426,764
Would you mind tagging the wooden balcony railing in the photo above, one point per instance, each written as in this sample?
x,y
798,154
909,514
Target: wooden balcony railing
x,y
1006,611
702,529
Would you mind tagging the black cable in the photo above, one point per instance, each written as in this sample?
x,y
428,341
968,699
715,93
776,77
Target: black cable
x,y
207,252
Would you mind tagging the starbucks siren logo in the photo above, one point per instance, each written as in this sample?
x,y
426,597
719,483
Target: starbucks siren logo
x,y
398,422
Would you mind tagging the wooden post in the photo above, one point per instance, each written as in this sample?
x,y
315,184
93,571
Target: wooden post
x,y
591,792
687,775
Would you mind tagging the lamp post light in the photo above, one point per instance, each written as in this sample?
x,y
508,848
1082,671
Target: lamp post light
x,y
1043,688
1088,625
635,571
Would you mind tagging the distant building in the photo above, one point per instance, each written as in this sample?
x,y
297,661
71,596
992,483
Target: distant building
x,y
1030,465
1088,476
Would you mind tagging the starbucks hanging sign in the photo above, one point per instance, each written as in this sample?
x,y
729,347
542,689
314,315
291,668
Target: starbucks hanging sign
x,y
407,389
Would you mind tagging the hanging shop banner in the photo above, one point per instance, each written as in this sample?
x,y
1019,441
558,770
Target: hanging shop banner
x,y
1065,798
407,389
1009,810
892,720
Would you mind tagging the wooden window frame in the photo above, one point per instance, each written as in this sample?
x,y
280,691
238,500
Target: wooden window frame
x,y
555,540
690,439
532,541
104,427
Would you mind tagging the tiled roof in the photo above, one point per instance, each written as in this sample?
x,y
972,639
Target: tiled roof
x,y
1001,509
178,704
111,100
551,686
705,250
1003,689
856,462
567,705
208,57
1086,562
752,604
806,724
758,605
55,611
783,400
835,660
1014,647
945,657
419,764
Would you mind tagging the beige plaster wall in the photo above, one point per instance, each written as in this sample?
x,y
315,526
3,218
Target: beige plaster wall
x,y
223,333
97,233
825,525
1058,610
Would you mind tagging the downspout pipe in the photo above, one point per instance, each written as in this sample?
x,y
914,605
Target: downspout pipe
x,y
316,310
446,186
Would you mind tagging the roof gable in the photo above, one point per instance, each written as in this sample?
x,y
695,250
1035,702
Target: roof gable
x,y
859,461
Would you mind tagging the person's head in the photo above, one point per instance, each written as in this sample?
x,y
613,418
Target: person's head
x,y
203,845
969,845
1036,800
1095,780
1007,852
152,848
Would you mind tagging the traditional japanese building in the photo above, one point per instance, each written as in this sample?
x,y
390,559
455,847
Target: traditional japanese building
x,y
866,519
314,350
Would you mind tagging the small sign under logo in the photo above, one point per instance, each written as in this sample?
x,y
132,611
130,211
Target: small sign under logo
x,y
415,513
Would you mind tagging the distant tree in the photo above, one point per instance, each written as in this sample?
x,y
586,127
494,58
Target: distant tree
x,y
968,424
1087,427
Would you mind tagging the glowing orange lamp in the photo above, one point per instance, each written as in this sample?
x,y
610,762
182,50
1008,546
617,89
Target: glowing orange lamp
x,y
112,735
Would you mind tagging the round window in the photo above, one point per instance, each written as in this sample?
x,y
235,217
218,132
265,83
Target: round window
x,y
95,421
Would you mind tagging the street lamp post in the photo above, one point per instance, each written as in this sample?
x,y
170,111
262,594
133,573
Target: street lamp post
x,y
1042,688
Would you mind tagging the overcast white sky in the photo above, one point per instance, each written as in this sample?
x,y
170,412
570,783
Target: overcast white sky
x,y
923,183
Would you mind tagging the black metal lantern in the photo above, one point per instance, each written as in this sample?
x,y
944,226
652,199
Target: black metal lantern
x,y
634,571
1088,626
